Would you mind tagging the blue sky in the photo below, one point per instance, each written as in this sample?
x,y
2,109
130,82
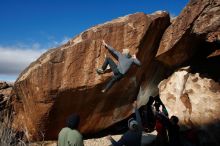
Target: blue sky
x,y
30,27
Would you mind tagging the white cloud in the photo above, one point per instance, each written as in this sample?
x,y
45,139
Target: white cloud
x,y
15,58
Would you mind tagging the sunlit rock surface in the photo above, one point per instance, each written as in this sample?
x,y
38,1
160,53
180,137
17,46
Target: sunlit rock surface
x,y
195,100
198,22
64,80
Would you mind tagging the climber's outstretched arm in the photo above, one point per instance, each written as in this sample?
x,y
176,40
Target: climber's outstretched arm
x,y
115,52
136,61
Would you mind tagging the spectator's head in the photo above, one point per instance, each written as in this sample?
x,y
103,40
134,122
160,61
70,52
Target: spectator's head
x,y
126,52
174,120
73,121
132,124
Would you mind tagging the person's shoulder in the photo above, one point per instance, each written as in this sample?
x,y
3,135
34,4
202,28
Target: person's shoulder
x,y
76,132
65,129
74,137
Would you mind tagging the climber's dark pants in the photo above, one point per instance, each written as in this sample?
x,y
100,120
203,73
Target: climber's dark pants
x,y
117,75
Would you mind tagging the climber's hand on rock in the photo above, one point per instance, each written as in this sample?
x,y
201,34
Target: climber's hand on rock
x,y
104,43
134,56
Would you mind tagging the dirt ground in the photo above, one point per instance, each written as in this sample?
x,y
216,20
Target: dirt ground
x,y
146,140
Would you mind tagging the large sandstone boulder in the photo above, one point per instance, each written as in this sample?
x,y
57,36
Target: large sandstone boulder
x,y
198,22
195,101
64,81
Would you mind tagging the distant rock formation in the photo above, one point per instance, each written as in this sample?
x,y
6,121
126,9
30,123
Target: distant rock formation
x,y
6,90
64,80
3,85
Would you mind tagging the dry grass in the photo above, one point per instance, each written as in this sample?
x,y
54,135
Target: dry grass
x,y
8,137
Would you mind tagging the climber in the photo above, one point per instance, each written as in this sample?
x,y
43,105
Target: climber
x,y
133,136
70,135
125,61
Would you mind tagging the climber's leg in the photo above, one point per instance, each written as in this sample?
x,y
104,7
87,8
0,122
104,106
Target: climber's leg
x,y
111,63
116,77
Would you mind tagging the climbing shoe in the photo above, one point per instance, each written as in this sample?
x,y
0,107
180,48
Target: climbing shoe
x,y
100,71
103,91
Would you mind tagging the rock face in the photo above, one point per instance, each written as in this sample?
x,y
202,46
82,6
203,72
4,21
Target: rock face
x,y
199,21
195,100
155,73
64,81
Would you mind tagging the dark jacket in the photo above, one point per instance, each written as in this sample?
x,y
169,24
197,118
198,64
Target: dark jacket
x,y
131,138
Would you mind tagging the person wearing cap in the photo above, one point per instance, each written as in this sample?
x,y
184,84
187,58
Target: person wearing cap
x,y
119,70
133,136
70,136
